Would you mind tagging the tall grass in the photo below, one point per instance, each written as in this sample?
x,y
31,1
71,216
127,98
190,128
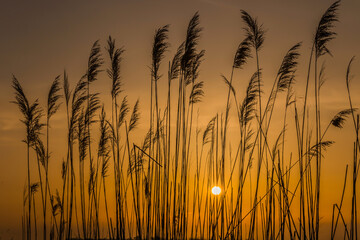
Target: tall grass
x,y
161,186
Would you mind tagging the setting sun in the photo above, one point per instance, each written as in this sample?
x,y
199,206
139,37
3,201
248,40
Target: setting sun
x,y
216,190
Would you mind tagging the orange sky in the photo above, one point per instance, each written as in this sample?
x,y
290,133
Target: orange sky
x,y
40,39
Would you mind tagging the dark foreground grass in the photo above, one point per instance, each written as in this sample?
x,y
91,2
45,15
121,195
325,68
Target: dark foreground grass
x,y
160,187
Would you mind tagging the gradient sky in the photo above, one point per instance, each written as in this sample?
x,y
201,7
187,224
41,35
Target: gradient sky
x,y
39,39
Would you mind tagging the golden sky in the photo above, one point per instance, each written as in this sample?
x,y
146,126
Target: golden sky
x,y
39,39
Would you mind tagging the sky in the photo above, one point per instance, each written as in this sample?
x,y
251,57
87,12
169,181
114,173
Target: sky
x,y
40,39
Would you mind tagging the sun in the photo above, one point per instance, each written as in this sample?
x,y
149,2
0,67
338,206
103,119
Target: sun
x,y
216,190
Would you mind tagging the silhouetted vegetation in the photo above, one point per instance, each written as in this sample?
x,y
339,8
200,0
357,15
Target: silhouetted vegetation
x,y
162,186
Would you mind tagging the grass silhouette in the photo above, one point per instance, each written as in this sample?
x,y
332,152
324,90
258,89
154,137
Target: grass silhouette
x,y
162,187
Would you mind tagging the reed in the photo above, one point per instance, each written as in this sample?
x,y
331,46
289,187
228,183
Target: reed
x,y
159,187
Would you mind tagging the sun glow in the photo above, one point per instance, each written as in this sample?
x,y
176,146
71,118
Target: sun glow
x,y
216,190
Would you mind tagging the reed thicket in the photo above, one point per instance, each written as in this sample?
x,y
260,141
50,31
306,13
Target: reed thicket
x,y
162,185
